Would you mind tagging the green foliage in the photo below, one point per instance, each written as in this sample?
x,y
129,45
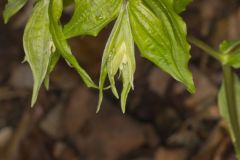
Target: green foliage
x,y
12,7
231,50
161,37
38,44
154,25
224,108
229,95
119,55
180,5
55,56
61,43
91,16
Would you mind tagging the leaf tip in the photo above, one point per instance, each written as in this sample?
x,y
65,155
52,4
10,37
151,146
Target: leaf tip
x,y
123,103
5,17
33,101
191,88
99,100
123,107
5,20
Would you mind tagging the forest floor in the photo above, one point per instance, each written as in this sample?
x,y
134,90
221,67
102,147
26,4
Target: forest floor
x,y
163,121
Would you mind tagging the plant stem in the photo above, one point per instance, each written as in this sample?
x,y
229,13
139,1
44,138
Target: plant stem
x,y
212,52
229,83
230,93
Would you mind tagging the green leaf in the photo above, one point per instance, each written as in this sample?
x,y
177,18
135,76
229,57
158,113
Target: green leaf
x,y
119,56
180,5
231,49
53,62
61,43
229,46
160,35
234,59
222,101
38,44
12,7
91,16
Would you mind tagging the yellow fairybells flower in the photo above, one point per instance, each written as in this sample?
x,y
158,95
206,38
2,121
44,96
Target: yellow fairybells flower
x,y
119,57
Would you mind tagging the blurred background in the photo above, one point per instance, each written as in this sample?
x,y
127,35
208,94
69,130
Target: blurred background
x,y
163,121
